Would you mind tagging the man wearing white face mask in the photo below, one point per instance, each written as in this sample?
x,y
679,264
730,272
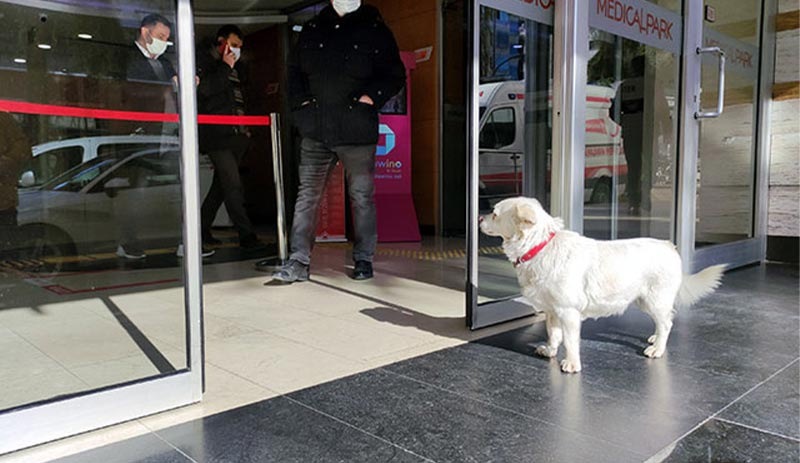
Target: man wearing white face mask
x,y
149,63
153,89
344,68
221,91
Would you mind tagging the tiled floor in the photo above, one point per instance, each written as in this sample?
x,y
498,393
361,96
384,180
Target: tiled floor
x,y
727,389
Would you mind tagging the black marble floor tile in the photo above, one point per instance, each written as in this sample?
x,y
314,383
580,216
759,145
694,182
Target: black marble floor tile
x,y
718,441
774,406
143,449
279,430
446,427
613,360
710,337
642,423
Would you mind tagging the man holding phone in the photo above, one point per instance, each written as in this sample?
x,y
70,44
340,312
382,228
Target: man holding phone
x,y
221,91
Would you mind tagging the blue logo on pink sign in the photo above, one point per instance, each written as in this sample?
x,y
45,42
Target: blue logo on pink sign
x,y
390,143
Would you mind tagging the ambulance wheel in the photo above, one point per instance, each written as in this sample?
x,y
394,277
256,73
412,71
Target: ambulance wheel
x,y
601,193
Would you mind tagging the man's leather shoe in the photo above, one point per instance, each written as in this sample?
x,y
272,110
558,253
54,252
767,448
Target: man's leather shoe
x,y
362,270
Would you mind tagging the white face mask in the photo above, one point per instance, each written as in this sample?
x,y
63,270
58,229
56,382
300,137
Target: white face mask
x,y
344,7
157,47
237,52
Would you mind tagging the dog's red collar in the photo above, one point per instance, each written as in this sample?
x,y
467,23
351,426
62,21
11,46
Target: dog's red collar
x,y
534,251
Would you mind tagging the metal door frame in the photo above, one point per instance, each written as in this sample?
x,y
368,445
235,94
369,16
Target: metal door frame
x,y
570,21
28,426
743,252
571,28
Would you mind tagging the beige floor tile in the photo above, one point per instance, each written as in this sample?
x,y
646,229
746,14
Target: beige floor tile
x,y
126,369
79,341
77,444
422,297
260,312
224,391
278,364
412,352
50,312
357,342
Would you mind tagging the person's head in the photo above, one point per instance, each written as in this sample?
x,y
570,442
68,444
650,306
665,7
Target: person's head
x,y
154,34
344,7
231,37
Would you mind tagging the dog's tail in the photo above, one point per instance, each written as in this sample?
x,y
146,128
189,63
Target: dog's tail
x,y
701,284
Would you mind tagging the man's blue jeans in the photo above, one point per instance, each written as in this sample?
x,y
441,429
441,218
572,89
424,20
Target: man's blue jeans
x,y
317,160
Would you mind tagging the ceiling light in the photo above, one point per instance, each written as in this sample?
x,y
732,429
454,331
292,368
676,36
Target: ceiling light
x,y
85,36
20,60
45,46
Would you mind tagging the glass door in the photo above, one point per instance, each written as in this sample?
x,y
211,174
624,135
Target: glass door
x,y
723,195
632,87
99,319
511,140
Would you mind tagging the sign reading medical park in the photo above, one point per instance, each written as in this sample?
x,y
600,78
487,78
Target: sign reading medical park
x,y
640,21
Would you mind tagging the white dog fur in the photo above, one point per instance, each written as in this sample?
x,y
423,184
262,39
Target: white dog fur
x,y
574,278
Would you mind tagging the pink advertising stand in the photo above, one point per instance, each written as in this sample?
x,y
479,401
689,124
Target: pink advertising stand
x,y
397,218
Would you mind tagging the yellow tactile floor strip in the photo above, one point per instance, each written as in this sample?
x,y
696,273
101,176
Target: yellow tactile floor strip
x,y
421,254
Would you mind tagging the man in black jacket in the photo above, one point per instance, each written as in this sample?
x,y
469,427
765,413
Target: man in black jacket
x,y
147,65
345,67
221,92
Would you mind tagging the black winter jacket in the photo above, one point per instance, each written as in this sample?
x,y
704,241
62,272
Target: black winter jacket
x,y
335,62
215,96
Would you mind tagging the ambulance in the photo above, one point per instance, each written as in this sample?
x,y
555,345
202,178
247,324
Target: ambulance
x,y
502,144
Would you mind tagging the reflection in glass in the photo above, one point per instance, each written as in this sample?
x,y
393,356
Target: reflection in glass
x,y
631,137
90,208
515,130
726,155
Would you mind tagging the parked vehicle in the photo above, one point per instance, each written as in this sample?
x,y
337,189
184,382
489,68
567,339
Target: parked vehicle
x,y
56,157
502,145
74,213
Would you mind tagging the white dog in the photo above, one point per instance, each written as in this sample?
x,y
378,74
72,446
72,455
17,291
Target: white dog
x,y
571,278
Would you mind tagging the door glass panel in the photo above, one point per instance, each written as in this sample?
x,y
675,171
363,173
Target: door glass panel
x,y
515,130
726,154
91,289
633,80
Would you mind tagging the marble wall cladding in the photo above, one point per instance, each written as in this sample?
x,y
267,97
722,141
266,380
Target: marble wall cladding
x,y
788,5
784,217
784,193
787,61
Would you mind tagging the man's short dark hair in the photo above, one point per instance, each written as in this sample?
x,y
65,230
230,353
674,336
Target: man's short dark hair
x,y
228,29
153,19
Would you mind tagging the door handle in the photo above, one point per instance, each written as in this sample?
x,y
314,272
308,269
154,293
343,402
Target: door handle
x,y
721,85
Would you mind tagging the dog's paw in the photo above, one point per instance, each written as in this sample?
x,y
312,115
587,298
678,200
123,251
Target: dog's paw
x,y
654,352
568,366
546,351
652,339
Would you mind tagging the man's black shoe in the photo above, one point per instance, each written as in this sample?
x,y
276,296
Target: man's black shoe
x,y
251,242
209,240
362,270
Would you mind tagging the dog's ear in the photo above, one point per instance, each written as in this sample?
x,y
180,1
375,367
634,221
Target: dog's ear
x,y
526,215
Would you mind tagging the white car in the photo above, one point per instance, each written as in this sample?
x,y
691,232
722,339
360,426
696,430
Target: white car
x,y
56,157
78,212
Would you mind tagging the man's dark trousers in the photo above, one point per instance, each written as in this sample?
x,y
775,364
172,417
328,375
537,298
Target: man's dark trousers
x,y
227,188
316,163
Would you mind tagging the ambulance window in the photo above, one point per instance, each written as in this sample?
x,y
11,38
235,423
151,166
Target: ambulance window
x,y
499,129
